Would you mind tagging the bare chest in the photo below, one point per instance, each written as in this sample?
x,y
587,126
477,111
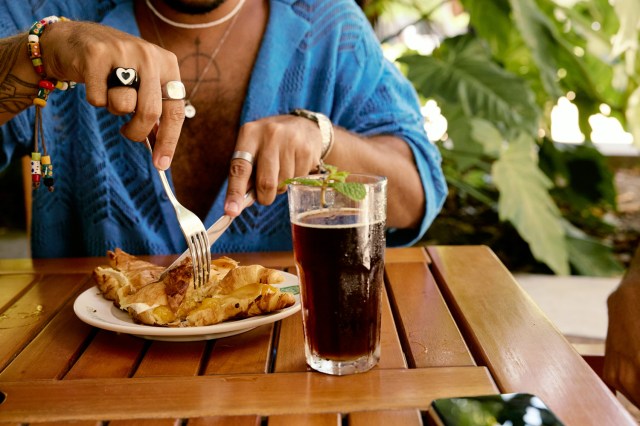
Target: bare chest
x,y
207,140
216,89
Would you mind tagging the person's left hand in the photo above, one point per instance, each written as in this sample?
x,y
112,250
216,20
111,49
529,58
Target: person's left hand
x,y
282,146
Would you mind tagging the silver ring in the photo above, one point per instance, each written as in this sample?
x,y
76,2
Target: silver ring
x,y
174,90
243,155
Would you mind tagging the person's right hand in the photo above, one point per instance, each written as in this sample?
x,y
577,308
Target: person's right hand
x,y
87,53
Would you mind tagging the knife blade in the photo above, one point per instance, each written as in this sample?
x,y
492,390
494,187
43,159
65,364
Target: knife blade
x,y
217,229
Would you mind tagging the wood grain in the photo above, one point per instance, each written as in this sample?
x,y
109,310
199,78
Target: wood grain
x,y
24,319
50,354
511,336
12,287
426,326
236,395
448,308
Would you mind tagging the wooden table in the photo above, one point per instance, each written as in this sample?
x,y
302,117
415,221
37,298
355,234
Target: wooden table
x,y
455,323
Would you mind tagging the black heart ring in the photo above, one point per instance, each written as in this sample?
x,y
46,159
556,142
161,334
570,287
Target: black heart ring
x,y
123,77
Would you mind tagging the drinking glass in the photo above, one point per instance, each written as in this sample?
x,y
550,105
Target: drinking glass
x,y
339,246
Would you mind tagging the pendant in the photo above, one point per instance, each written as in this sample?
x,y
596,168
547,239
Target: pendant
x,y
189,110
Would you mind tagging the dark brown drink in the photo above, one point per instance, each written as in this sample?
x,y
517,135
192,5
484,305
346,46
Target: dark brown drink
x,y
341,266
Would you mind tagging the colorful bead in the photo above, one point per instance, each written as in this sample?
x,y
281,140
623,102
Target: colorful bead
x,y
43,93
35,54
47,172
35,170
46,84
37,28
34,49
41,167
62,85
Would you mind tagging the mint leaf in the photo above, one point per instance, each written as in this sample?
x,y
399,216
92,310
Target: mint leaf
x,y
303,181
333,179
353,190
340,176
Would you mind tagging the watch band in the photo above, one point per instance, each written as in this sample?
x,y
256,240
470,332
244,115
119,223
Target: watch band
x,y
325,126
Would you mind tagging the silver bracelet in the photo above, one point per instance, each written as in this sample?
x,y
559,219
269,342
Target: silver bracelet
x,y
325,126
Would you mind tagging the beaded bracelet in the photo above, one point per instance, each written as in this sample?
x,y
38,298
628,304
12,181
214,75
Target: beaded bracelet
x,y
45,86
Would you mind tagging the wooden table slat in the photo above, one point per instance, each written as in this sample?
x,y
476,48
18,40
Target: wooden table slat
x,y
22,321
391,353
385,418
12,286
226,421
53,350
324,419
248,352
430,333
172,359
522,348
145,422
232,395
122,351
290,356
406,255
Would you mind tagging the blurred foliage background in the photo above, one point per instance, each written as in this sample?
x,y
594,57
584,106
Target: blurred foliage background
x,y
496,70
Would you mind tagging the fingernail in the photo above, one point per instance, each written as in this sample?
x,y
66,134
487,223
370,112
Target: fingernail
x,y
164,162
232,207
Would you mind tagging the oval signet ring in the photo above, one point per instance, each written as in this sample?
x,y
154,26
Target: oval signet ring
x,y
243,155
174,90
123,77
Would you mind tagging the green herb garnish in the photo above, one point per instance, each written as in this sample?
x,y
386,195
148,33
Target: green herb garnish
x,y
333,179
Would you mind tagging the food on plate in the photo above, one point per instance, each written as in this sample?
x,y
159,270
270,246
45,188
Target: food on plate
x,y
232,292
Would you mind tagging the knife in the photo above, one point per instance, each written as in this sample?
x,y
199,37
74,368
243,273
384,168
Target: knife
x,y
217,229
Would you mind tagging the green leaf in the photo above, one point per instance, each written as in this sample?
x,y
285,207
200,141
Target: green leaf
x,y
303,181
626,40
468,152
589,256
485,133
525,202
461,72
333,179
339,176
536,31
632,114
492,21
581,173
354,190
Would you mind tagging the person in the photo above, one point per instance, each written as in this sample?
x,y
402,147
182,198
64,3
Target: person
x,y
245,64
621,369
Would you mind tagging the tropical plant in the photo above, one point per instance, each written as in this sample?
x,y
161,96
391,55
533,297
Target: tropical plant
x,y
496,84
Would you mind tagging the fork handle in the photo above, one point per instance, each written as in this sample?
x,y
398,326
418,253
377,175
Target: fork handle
x,y
167,187
163,179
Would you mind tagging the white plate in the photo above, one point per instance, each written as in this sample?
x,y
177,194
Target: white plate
x,y
95,310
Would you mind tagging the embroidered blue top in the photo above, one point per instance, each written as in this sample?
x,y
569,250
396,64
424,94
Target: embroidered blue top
x,y
316,54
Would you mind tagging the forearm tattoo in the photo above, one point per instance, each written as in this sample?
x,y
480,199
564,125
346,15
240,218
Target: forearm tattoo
x,y
15,93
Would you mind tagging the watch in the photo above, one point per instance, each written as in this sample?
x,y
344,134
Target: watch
x,y
325,125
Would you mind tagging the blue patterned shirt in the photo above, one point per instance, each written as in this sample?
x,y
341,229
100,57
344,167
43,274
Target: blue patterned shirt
x,y
319,55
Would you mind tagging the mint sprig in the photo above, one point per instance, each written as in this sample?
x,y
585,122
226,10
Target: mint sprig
x,y
336,179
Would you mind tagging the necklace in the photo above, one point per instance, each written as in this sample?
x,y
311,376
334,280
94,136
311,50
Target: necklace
x,y
195,26
189,109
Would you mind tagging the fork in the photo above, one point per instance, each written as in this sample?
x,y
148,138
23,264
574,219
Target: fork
x,y
194,232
